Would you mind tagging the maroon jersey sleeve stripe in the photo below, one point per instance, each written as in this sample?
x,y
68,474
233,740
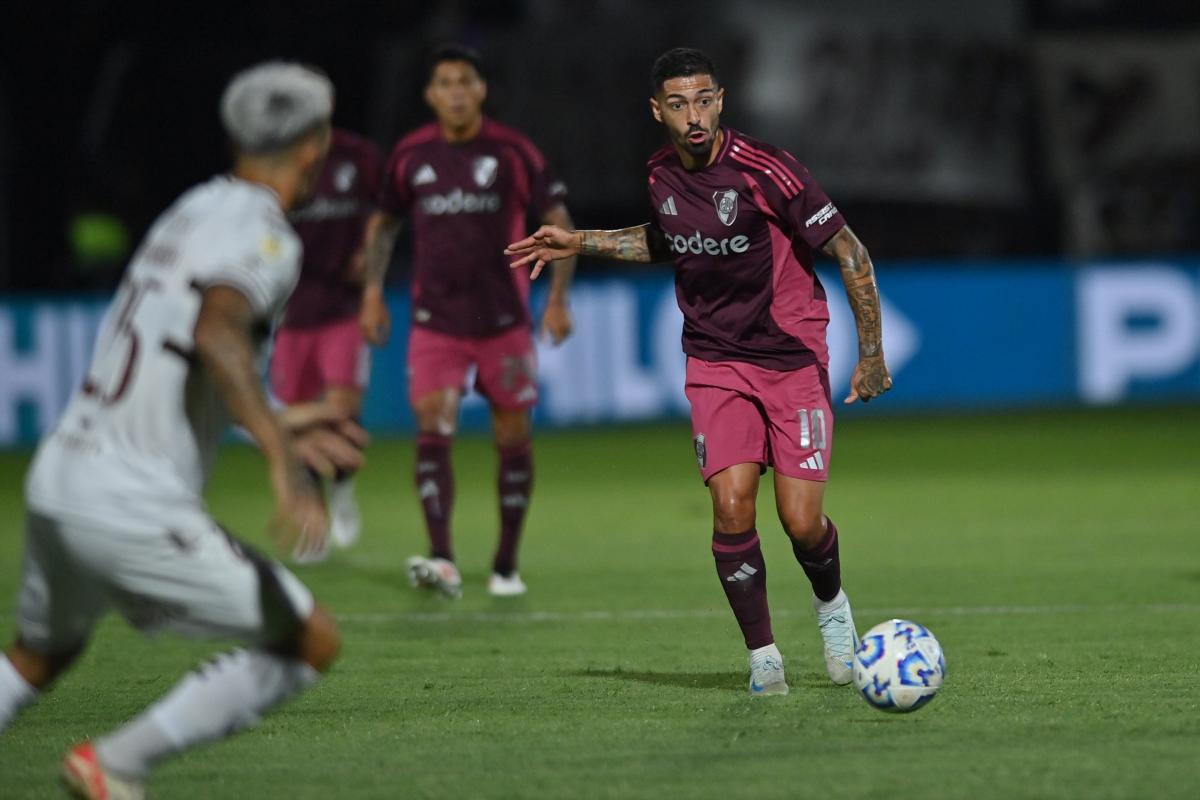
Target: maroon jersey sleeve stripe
x,y
789,187
758,166
770,159
760,198
421,135
662,154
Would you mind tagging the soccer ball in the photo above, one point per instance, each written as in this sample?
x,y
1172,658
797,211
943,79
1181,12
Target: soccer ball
x,y
898,666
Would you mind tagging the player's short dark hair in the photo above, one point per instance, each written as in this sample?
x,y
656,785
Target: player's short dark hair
x,y
455,52
680,62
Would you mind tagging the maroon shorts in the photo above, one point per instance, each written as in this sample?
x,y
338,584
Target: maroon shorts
x,y
307,361
505,366
745,414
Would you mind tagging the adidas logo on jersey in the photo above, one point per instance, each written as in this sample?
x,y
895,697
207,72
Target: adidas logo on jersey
x,y
424,175
668,207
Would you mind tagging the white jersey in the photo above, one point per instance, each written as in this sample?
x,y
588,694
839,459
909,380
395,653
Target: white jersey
x,y
140,436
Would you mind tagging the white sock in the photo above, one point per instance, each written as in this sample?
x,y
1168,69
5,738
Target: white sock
x,y
825,606
760,653
221,698
15,692
341,493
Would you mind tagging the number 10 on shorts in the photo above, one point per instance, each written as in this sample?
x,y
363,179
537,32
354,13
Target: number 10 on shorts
x,y
812,428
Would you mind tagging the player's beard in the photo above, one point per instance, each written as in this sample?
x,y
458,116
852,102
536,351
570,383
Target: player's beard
x,y
700,151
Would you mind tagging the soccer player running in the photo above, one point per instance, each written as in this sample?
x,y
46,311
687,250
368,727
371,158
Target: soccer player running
x,y
741,219
319,354
468,184
115,514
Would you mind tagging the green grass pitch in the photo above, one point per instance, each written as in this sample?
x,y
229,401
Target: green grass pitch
x,y
1055,555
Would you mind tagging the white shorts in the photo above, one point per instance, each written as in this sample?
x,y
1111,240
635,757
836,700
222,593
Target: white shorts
x,y
188,576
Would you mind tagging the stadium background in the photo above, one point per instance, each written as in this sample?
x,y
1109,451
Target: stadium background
x,y
1027,179
995,168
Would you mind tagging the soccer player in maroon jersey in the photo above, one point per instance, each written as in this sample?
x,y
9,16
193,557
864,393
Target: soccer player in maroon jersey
x,y
468,184
741,221
319,353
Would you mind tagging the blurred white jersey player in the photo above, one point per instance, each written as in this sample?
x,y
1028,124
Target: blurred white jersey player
x,y
138,440
115,515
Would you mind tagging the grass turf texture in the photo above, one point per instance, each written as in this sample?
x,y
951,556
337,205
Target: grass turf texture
x,y
1054,555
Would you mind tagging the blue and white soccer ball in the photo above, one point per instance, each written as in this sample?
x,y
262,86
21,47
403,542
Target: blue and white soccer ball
x,y
899,666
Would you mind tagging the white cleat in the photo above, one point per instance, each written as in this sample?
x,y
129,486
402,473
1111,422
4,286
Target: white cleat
x,y
766,672
436,574
345,520
839,636
511,586
84,776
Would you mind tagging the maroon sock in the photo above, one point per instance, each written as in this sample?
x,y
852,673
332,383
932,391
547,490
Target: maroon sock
x,y
822,564
515,484
743,575
435,488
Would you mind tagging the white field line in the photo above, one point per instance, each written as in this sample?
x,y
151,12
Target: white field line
x,y
654,615
668,614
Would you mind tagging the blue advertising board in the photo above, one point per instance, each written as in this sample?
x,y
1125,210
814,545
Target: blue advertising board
x,y
957,336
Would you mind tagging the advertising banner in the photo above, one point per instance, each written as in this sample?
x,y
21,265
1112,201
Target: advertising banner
x,y
957,337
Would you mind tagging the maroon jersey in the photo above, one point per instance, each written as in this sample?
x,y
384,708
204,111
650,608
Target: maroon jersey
x,y
467,201
332,227
743,231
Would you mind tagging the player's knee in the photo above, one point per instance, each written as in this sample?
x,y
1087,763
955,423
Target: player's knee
x,y
435,422
805,525
511,428
436,414
733,511
320,640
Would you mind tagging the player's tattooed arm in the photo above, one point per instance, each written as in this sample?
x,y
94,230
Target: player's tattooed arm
x,y
871,377
643,244
224,339
374,319
380,238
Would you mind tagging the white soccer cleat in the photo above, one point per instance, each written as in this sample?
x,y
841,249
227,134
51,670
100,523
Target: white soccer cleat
x,y
436,574
84,776
839,636
766,672
345,520
511,586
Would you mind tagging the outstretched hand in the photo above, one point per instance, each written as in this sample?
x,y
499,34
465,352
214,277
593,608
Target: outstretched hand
x,y
548,243
870,380
325,439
